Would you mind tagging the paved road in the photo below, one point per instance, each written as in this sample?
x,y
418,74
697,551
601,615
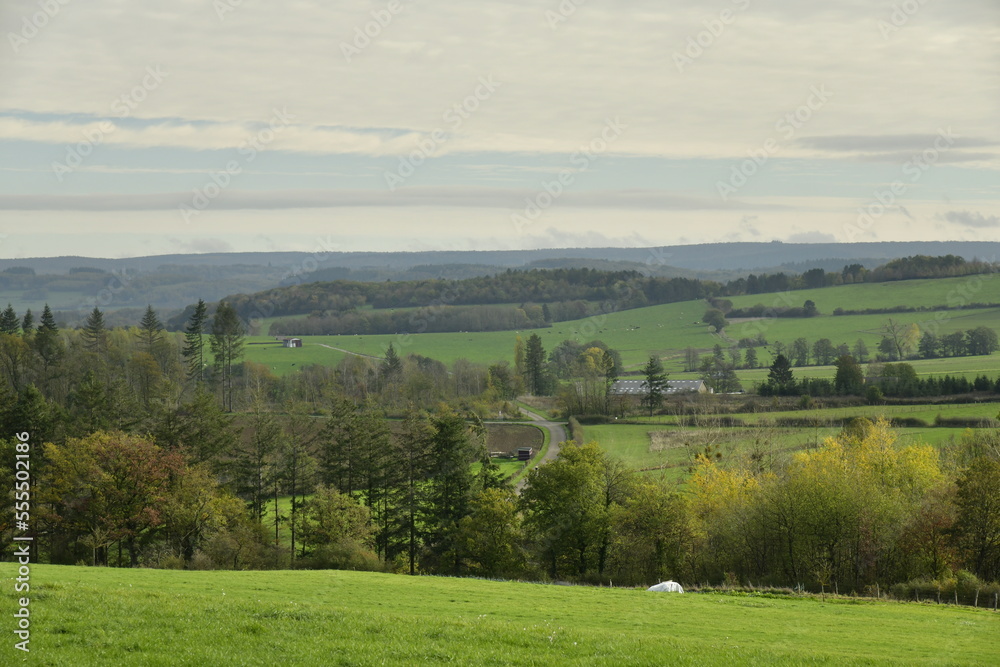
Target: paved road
x,y
557,434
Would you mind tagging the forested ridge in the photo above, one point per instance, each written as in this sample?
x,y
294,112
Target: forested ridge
x,y
538,296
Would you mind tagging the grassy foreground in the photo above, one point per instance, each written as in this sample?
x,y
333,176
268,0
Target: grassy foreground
x,y
97,616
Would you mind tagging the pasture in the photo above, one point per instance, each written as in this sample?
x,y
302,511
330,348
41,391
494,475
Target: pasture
x,y
668,451
667,330
101,616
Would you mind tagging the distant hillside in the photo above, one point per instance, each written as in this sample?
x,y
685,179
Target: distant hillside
x,y
73,285
701,257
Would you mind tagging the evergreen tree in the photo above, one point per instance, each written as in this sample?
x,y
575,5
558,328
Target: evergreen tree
x,y
413,458
95,335
534,366
656,383
194,342
150,329
227,342
391,368
779,376
28,324
9,322
47,343
451,488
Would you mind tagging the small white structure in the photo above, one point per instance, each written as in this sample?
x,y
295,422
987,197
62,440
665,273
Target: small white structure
x,y
666,587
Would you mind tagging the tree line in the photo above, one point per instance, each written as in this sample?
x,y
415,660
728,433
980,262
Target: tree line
x,y
855,513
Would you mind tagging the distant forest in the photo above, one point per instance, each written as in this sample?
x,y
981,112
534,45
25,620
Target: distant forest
x,y
519,299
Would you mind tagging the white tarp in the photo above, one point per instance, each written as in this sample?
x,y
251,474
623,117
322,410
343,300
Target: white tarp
x,y
666,587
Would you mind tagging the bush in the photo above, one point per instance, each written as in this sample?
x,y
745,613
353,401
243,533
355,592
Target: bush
x,y
345,554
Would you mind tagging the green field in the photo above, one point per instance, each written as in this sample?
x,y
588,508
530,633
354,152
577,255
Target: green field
x,y
924,411
102,616
917,293
667,451
667,330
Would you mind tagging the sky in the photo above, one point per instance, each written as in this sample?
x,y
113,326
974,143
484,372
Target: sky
x,y
130,129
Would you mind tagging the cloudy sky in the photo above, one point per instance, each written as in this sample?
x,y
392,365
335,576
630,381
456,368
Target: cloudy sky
x,y
214,125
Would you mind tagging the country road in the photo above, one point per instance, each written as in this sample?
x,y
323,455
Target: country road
x,y
557,434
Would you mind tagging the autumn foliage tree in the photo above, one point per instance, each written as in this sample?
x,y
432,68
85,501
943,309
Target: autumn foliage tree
x,y
108,487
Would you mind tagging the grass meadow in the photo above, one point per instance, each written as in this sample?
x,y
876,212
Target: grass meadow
x,y
666,451
100,616
669,329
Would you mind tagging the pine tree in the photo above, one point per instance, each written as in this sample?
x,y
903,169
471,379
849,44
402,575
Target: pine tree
x,y
450,489
534,366
150,329
391,368
780,377
194,342
28,324
47,343
227,343
656,383
413,458
9,322
95,335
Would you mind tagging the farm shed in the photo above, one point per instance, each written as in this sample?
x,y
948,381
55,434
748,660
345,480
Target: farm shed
x,y
524,453
293,342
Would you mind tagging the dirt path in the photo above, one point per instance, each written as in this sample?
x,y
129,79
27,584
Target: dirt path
x,y
356,354
557,434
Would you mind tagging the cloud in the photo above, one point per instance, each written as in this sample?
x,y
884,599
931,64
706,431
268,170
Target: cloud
x,y
557,86
473,197
945,156
899,142
972,219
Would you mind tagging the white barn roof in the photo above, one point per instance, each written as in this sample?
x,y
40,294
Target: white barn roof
x,y
638,387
